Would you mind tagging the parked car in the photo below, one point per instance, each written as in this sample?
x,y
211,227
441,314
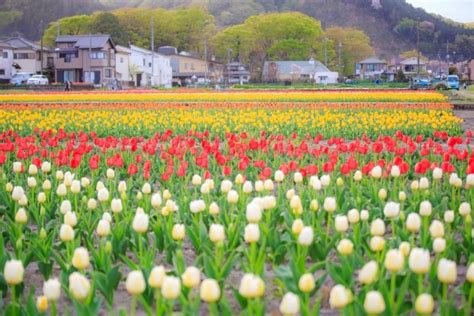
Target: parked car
x,y
21,78
420,83
38,80
453,82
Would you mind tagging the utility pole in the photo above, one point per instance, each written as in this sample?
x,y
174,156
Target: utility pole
x,y
447,56
41,52
326,51
58,28
152,41
90,60
418,51
205,58
229,54
339,47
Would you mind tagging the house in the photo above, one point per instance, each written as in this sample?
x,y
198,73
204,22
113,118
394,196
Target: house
x,y
470,69
237,73
298,71
409,66
85,58
371,68
6,62
189,67
122,65
29,56
149,69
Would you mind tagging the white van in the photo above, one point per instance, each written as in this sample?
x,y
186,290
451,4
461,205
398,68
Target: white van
x,y
21,78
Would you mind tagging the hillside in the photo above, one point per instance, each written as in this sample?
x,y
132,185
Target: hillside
x,y
389,23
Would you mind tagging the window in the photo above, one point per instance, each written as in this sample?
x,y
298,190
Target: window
x,y
144,62
2,72
370,67
149,65
108,73
121,60
21,56
97,55
5,54
186,66
68,56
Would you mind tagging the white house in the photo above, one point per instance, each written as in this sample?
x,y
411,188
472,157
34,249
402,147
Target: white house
x,y
29,56
149,69
6,62
295,71
122,65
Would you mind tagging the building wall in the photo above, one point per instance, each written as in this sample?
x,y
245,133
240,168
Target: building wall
x,y
122,66
141,64
471,69
6,64
191,65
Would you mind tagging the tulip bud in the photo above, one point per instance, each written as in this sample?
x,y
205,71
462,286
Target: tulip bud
x,y
353,216
52,289
79,286
253,212
314,205
325,180
402,196
290,304
75,186
425,208
345,247
298,177
156,277
247,188
341,223
140,223
178,232
17,166
210,291
305,238
424,304
465,209
374,303
419,261
232,197
369,272
31,182
339,297
103,195
214,209
21,217
447,272
42,304
197,206
449,217
66,233
191,277
91,204
391,210
41,197
437,173
364,215
376,172
42,233
377,227
226,186
424,183
297,226
196,180
470,180
80,258
439,245
259,186
13,272
436,229
413,222
252,233
279,176
394,260
135,283
46,167
216,233
358,176
70,219
251,286
382,194
470,273
108,247
404,248
330,204
103,228
377,243
17,193
306,283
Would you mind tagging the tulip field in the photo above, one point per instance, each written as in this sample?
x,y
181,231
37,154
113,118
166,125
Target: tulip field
x,y
235,203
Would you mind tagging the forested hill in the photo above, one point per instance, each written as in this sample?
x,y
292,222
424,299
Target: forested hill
x,y
391,24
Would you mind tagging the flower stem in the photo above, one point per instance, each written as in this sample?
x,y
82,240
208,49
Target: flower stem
x,y
133,306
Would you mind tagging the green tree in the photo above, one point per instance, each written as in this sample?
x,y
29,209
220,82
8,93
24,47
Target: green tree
x,y
74,25
108,23
352,46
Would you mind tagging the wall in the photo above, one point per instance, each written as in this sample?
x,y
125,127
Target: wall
x,y
6,63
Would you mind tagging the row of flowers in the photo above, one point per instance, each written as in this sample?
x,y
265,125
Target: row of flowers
x,y
246,96
142,121
193,222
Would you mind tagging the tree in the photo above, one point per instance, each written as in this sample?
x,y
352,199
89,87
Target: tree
x,y
412,53
354,47
74,25
108,23
274,36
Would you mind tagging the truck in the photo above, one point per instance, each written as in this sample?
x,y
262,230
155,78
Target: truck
x,y
452,82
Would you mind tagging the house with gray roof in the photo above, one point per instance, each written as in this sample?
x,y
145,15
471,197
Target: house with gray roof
x,y
371,68
298,71
85,58
29,56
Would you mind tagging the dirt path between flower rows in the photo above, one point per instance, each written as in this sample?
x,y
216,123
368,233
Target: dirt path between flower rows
x,y
468,117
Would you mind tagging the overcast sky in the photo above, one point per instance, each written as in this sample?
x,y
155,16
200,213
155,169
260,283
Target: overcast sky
x,y
457,10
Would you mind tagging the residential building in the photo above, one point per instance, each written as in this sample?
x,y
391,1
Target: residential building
x,y
29,56
190,68
122,65
409,66
371,68
149,69
85,58
237,73
298,71
470,69
6,62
